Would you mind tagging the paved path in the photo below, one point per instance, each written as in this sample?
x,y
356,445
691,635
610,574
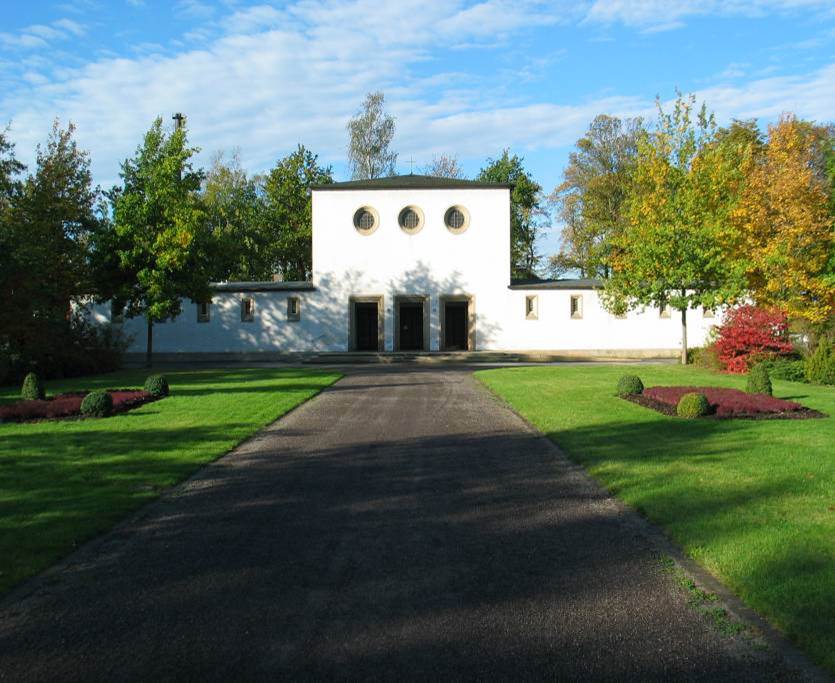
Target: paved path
x,y
402,525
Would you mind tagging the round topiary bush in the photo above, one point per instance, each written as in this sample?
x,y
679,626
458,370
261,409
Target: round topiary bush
x,y
629,385
758,381
97,404
32,389
692,405
157,385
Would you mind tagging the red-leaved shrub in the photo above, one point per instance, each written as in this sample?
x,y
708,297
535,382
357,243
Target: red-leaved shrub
x,y
69,405
725,402
750,334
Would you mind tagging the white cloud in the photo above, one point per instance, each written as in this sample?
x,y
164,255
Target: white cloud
x,y
264,80
657,15
40,35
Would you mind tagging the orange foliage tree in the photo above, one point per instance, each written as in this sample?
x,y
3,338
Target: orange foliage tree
x,y
785,227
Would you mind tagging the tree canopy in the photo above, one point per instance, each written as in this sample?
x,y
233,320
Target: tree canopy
x,y
527,214
591,199
160,231
371,132
288,211
671,252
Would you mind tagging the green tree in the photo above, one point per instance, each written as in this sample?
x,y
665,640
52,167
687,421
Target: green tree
x,y
591,199
288,212
527,215
160,232
371,132
49,220
10,170
234,205
673,250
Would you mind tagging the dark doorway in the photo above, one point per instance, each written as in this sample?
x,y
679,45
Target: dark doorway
x,y
366,316
455,326
410,326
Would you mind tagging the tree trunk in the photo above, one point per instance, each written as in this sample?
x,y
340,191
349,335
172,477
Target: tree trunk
x,y
684,336
149,348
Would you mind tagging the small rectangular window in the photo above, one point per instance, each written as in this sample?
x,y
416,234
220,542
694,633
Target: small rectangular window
x,y
532,307
294,312
577,307
204,311
117,313
708,313
247,309
665,311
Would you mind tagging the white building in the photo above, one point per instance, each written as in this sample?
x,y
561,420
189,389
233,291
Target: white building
x,y
412,263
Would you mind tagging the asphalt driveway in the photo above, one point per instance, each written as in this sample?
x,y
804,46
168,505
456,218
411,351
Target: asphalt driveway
x,y
402,525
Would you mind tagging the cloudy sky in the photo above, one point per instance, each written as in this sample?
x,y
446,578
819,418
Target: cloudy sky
x,y
462,77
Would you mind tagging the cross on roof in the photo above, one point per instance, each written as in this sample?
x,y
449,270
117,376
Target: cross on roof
x,y
178,120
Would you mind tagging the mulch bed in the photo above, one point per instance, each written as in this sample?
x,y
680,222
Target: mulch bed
x,y
63,406
725,403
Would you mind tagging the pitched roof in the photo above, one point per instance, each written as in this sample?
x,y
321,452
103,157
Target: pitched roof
x,y
568,283
412,182
267,286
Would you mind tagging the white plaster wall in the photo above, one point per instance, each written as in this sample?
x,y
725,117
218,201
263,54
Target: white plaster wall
x,y
225,332
432,262
555,329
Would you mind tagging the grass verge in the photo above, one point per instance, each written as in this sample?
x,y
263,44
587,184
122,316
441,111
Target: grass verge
x,y
753,501
64,482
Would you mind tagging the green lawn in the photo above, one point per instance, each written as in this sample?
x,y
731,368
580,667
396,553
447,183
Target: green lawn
x,y
752,501
64,482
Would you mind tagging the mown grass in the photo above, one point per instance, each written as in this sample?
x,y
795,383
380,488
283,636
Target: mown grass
x,y
62,482
752,501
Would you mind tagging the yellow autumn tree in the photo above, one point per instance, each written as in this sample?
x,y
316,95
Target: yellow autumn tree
x,y
785,228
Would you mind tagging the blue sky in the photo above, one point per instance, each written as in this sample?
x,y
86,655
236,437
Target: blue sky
x,y
462,77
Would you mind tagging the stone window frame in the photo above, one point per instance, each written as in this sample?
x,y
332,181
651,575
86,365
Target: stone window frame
x,y
425,302
378,299
576,311
665,312
400,218
204,316
357,216
531,307
443,300
247,316
708,313
464,212
294,309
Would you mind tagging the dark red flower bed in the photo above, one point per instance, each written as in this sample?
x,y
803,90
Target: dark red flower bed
x,y
724,403
69,405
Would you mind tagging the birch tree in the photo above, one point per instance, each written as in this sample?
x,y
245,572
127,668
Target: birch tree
x,y
371,132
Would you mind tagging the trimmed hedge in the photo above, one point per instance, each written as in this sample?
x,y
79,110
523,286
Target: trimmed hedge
x,y
157,385
692,405
791,369
630,385
32,389
97,404
758,381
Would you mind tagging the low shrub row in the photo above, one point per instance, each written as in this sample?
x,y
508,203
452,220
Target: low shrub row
x,y
694,402
99,403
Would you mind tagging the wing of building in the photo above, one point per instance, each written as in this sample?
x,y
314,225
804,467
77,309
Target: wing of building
x,y
412,263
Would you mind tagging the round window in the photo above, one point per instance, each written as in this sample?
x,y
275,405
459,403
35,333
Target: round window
x,y
365,220
411,219
457,219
